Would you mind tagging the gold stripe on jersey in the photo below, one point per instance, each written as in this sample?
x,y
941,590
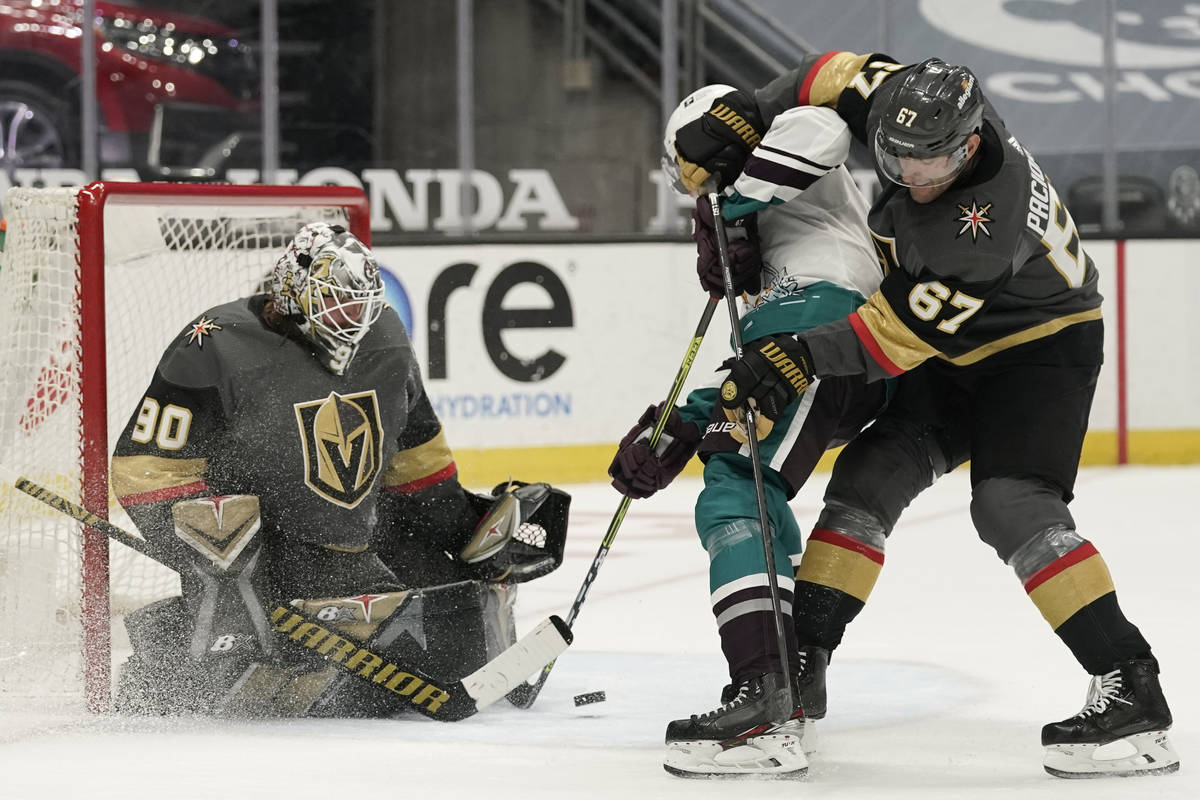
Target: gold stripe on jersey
x,y
832,77
132,475
903,347
419,462
1048,328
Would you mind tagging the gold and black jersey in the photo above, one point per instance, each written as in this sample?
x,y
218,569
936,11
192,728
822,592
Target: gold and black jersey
x,y
236,407
991,269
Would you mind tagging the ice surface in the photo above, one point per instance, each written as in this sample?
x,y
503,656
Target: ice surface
x,y
938,693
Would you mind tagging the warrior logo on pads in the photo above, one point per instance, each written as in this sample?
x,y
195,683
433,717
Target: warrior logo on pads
x,y
341,437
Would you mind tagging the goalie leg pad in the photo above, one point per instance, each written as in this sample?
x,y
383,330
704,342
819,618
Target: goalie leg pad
x,y
448,631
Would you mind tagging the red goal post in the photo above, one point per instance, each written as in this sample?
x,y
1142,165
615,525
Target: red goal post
x,y
97,279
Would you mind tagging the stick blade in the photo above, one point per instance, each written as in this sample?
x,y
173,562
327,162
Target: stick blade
x,y
507,671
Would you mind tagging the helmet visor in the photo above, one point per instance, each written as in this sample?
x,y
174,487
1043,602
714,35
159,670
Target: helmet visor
x,y
936,170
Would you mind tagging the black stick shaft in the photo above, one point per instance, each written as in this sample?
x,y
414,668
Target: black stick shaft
x,y
752,442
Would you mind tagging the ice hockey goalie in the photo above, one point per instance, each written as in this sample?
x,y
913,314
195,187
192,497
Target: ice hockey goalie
x,y
285,452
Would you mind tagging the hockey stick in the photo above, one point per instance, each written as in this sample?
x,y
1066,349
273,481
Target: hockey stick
x,y
524,694
431,696
760,494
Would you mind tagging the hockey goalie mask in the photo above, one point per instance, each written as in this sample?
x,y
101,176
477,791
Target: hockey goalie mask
x,y
329,283
690,109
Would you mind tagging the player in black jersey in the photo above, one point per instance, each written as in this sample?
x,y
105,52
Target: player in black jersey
x,y
286,450
990,314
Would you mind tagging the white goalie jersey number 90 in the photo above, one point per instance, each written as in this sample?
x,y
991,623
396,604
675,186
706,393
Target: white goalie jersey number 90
x,y
167,427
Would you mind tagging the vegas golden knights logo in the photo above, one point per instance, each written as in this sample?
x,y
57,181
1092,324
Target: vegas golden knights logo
x,y
341,436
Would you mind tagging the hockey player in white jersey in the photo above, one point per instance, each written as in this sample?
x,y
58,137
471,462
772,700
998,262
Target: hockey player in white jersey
x,y
801,255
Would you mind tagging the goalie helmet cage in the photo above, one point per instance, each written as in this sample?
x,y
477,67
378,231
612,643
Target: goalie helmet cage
x,y
96,281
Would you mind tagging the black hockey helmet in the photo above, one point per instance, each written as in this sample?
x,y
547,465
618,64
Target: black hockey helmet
x,y
929,117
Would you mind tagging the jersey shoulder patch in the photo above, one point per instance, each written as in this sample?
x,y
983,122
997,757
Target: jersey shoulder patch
x,y
194,356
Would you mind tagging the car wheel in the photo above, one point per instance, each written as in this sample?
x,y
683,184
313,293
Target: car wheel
x,y
34,132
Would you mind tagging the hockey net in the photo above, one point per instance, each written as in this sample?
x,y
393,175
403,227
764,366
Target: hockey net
x,y
95,282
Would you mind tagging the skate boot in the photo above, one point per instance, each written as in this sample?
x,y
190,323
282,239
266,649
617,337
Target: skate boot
x,y
1122,731
809,681
742,737
814,661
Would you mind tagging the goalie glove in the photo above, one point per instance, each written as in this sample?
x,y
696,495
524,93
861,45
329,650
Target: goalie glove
x,y
521,534
772,372
638,472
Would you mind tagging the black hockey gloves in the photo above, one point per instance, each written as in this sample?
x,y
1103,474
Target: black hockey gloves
x,y
745,260
636,471
773,372
718,142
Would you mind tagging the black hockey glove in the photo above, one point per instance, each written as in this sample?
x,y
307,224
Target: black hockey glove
x,y
773,372
745,260
718,142
636,471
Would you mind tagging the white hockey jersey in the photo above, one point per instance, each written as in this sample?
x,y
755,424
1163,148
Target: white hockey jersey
x,y
812,220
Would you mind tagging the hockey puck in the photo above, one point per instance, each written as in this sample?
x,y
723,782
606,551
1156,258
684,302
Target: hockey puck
x,y
588,698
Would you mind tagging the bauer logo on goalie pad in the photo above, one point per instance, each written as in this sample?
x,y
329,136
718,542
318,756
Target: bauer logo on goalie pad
x,y
218,527
355,616
341,436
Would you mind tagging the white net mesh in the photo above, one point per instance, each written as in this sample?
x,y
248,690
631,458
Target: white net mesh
x,y
164,263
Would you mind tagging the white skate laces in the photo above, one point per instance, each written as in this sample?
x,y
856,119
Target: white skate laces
x,y
1103,690
743,697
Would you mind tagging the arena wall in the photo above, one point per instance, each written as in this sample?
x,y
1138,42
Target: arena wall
x,y
538,358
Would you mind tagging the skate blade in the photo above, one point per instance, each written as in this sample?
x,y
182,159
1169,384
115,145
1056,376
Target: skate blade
x,y
808,737
1147,753
770,756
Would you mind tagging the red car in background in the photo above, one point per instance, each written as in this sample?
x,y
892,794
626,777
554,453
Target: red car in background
x,y
177,94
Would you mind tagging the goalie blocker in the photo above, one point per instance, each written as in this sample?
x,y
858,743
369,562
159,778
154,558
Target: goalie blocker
x,y
220,648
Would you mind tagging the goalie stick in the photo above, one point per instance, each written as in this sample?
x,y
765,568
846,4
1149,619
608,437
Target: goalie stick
x,y
428,695
526,693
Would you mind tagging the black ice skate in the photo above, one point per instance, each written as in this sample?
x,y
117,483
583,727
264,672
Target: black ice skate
x,y
1122,731
813,662
741,738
